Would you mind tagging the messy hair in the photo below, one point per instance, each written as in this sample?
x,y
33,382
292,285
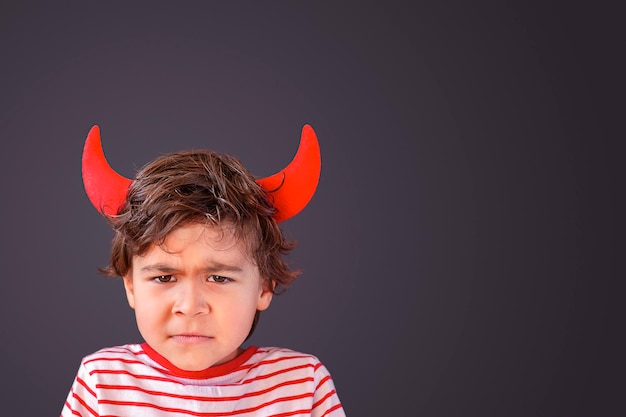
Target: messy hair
x,y
205,187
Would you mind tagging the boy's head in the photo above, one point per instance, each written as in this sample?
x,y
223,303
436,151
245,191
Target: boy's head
x,y
199,187
195,227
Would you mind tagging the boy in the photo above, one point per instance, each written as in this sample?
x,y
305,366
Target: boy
x,y
200,252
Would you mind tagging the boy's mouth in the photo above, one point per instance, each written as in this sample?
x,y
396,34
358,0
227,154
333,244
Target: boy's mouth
x,y
189,338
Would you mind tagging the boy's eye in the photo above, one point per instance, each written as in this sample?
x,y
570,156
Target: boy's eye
x,y
219,279
163,278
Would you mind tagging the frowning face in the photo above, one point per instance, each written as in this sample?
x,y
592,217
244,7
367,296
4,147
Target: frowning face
x,y
196,295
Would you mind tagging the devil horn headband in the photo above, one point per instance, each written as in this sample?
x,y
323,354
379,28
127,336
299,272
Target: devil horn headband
x,y
290,190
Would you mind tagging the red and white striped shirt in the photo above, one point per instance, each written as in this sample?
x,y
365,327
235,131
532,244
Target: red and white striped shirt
x,y
134,380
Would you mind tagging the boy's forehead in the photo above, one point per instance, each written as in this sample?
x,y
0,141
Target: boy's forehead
x,y
224,239
223,234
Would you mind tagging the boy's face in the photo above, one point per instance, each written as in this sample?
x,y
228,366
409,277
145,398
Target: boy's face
x,y
196,295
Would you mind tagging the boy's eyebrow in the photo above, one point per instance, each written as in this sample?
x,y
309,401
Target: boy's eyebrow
x,y
217,266
158,268
211,267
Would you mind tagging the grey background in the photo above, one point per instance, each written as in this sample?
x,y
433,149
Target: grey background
x,y
464,252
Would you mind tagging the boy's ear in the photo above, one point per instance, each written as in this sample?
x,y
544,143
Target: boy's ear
x,y
130,294
265,298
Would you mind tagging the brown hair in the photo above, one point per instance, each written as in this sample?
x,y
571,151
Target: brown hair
x,y
199,187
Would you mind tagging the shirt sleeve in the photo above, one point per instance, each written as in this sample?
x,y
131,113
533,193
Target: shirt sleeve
x,y
82,400
325,399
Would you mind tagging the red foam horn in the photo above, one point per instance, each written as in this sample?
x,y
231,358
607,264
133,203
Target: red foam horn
x,y
105,188
290,189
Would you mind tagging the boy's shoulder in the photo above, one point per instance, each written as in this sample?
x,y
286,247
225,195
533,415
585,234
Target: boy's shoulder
x,y
123,354
121,350
279,354
275,360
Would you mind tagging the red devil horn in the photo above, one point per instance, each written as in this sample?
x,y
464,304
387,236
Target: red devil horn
x,y
105,188
292,188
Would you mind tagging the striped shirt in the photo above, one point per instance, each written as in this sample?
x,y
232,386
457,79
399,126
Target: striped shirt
x,y
134,380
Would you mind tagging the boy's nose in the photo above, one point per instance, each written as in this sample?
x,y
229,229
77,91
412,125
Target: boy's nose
x,y
191,300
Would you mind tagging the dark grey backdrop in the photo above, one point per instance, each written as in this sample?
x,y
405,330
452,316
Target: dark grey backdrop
x,y
463,255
